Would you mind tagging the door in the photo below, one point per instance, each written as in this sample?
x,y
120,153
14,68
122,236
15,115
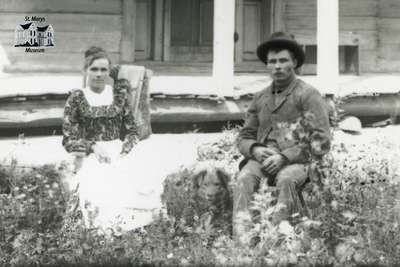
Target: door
x,y
256,26
251,29
143,29
206,22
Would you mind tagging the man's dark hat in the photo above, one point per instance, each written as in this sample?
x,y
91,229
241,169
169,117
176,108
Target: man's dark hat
x,y
281,40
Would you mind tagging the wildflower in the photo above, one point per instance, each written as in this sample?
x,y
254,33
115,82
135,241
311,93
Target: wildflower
x,y
20,196
285,228
358,257
295,246
221,259
184,262
343,251
270,262
312,223
319,144
349,215
334,205
289,136
316,244
292,258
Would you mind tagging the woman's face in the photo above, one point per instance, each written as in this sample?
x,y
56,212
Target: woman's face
x,y
97,74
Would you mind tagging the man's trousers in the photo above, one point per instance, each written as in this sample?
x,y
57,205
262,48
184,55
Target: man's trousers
x,y
289,181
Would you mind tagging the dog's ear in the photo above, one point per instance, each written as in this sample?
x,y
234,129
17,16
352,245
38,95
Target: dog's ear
x,y
223,177
198,178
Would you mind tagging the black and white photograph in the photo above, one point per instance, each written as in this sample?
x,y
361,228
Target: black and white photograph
x,y
199,133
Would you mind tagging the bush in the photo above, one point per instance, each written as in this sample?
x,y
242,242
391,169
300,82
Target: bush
x,y
33,202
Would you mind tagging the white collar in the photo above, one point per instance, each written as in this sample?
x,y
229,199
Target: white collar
x,y
105,98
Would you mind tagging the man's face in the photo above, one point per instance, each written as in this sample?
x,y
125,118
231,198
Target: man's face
x,y
281,64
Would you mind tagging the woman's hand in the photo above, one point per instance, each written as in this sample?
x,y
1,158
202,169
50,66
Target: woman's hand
x,y
101,154
123,155
78,159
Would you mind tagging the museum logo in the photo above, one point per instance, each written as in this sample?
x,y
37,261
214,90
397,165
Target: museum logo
x,y
34,34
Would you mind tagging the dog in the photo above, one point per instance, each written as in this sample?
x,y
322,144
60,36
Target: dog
x,y
200,197
213,198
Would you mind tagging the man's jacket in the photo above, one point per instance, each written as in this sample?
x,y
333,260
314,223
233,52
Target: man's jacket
x,y
267,123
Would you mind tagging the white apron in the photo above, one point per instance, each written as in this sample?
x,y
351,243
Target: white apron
x,y
124,193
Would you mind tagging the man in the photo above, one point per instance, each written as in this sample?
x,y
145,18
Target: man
x,y
269,153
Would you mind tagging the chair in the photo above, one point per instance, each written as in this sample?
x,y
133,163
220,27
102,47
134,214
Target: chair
x,y
139,96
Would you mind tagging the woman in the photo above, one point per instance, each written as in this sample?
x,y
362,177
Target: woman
x,y
100,130
98,112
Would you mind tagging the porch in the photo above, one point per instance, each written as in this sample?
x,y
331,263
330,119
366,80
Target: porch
x,y
192,96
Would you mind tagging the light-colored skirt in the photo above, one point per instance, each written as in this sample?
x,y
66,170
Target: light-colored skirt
x,y
123,194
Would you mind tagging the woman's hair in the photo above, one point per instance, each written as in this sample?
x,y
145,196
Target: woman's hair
x,y
93,53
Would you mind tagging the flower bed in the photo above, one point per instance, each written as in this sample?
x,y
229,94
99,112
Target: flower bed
x,y
353,219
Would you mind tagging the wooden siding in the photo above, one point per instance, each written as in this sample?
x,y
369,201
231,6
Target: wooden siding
x,y
77,24
389,36
57,6
357,22
360,17
375,25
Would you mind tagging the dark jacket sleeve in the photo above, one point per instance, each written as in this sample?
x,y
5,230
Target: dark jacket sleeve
x,y
316,114
247,137
72,127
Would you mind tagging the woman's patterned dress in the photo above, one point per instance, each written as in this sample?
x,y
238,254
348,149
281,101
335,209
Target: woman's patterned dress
x,y
84,124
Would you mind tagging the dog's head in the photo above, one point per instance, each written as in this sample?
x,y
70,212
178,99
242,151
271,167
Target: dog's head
x,y
211,183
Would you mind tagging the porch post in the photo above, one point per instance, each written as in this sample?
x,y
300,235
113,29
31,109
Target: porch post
x,y
223,50
128,31
328,45
158,30
167,30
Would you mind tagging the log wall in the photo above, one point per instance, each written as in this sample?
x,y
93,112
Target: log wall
x,y
389,36
77,25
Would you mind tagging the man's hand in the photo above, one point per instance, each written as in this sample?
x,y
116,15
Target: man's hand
x,y
273,164
101,154
260,153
